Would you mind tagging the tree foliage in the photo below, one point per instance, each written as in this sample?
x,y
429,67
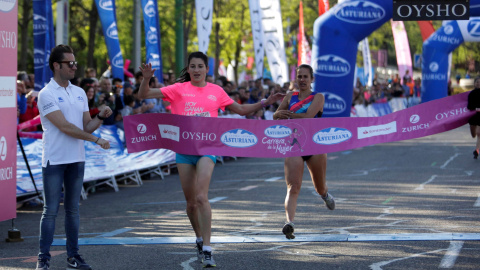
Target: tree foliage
x,y
231,39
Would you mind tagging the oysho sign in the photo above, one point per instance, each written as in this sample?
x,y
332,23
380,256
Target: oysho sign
x,y
427,10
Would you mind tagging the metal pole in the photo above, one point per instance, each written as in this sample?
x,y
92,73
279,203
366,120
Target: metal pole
x,y
179,54
137,32
26,162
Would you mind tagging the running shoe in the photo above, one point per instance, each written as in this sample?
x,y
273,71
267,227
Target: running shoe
x,y
199,248
77,262
475,154
329,201
208,261
288,230
43,264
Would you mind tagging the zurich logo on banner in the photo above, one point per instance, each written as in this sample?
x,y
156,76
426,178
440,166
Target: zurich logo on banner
x,y
118,60
332,135
278,131
39,25
152,35
363,12
239,138
334,104
112,31
150,9
331,66
106,4
6,6
38,58
154,59
473,28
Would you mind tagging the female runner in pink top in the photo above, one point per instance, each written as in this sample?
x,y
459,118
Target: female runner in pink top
x,y
192,95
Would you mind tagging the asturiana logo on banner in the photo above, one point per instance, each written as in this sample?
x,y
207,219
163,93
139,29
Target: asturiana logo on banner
x,y
169,132
106,4
38,58
332,135
334,104
331,66
362,12
39,25
239,138
118,60
112,31
150,9
379,130
7,5
473,28
152,35
154,59
278,131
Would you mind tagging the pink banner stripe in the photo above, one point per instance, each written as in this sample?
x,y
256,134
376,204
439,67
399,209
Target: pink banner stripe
x,y
285,138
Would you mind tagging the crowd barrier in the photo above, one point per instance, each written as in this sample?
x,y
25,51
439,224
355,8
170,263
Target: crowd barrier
x,y
101,166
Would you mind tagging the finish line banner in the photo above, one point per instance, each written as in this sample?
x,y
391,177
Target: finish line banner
x,y
287,138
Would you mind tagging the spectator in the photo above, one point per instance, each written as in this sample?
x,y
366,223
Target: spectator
x,y
106,97
31,111
90,92
90,73
138,79
129,103
153,105
21,98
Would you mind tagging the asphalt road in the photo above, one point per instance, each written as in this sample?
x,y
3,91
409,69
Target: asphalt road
x,y
404,205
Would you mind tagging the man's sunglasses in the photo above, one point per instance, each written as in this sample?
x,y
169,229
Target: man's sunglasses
x,y
70,63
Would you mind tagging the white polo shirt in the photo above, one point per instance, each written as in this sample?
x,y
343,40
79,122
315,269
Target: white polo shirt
x,y
58,147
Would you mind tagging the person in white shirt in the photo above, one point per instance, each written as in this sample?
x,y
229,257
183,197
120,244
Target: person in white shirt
x,y
66,123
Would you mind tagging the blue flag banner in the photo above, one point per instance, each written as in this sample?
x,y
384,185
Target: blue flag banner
x,y
152,36
106,11
43,41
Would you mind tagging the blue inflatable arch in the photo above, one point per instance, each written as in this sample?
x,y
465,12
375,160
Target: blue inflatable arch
x,y
334,53
437,47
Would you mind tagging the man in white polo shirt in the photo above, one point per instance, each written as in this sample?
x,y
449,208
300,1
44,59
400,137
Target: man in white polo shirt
x,y
66,124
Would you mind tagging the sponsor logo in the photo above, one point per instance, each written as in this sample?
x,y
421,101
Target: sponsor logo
x,y
430,10
473,28
199,136
39,25
118,60
359,12
212,98
433,67
106,4
150,9
154,59
332,135
38,61
6,173
334,104
3,148
144,139
60,99
169,132
331,65
379,130
112,31
448,29
278,131
7,5
8,39
152,35
239,138
80,98
414,118
188,95
141,128
451,113
48,106
446,39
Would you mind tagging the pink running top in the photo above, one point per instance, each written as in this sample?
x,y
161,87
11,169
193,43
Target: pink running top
x,y
187,99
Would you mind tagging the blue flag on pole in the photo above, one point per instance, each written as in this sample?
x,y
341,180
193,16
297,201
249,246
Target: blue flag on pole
x,y
152,36
106,11
43,41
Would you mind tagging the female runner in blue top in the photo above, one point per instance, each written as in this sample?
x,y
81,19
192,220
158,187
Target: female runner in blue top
x,y
303,104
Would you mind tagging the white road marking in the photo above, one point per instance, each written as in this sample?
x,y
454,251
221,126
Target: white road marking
x,y
186,264
216,199
421,187
248,188
477,203
116,232
378,265
450,257
273,179
448,161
